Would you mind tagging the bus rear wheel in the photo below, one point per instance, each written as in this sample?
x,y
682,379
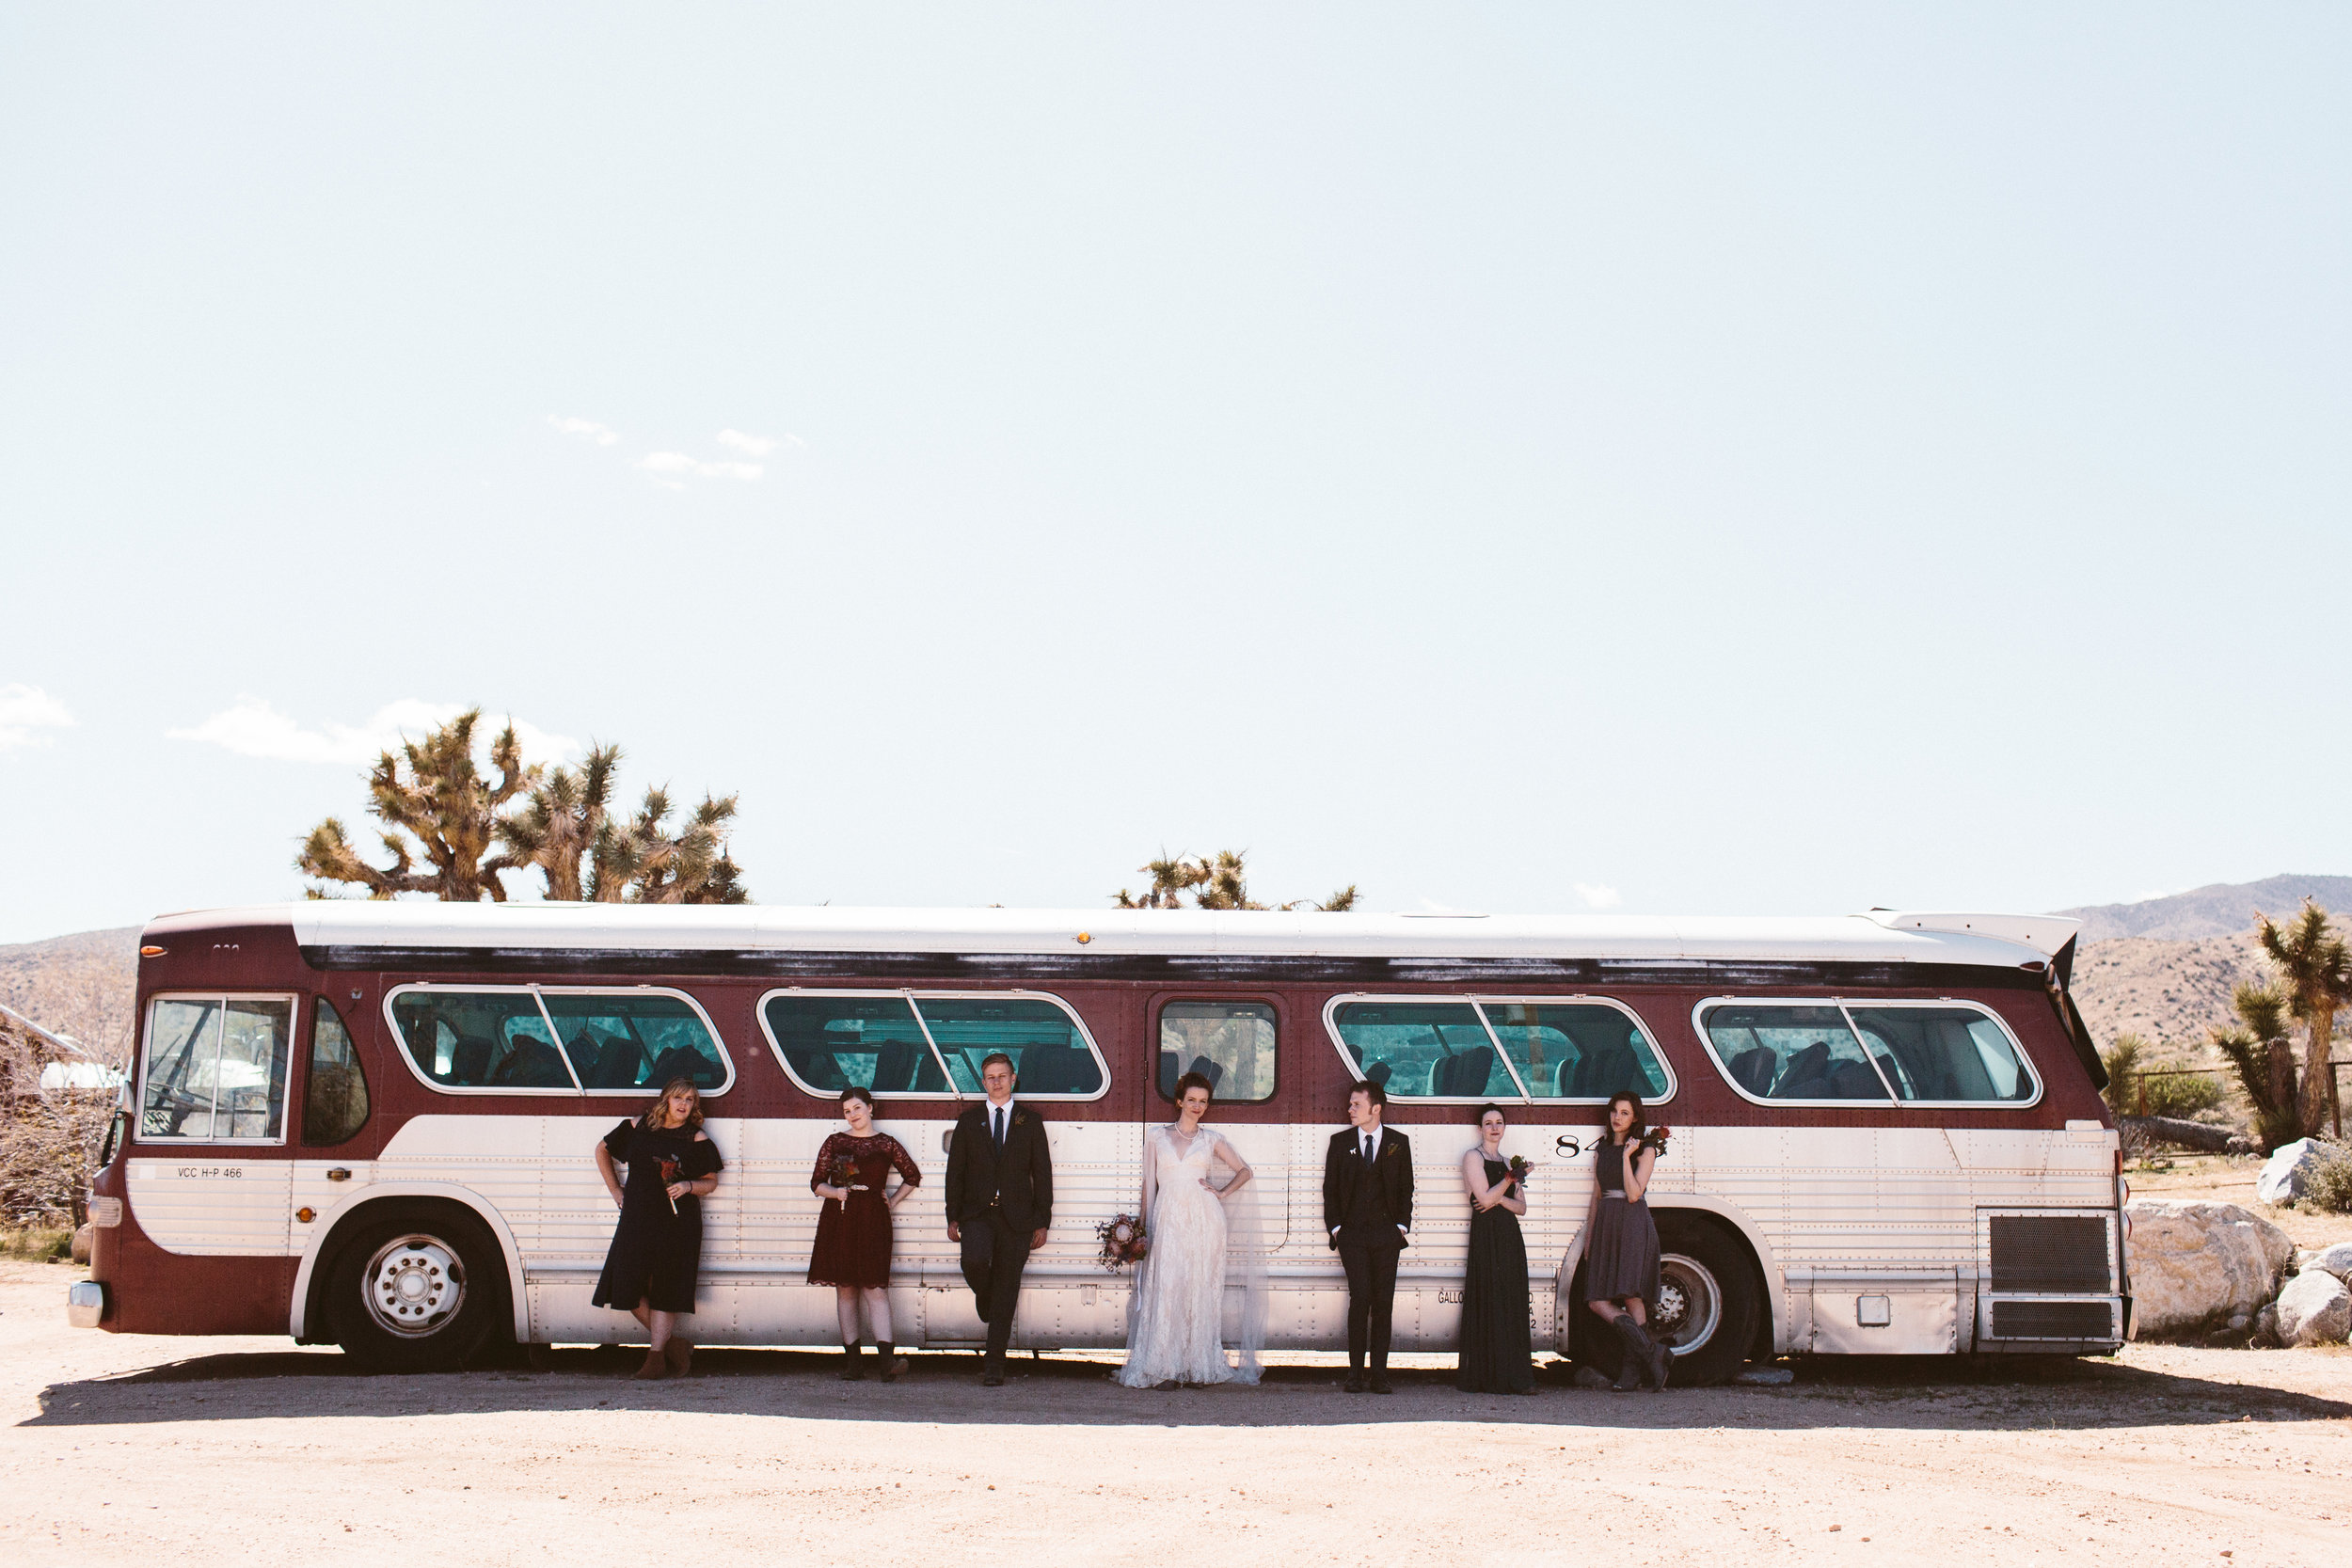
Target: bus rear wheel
x,y
1707,1300
416,1291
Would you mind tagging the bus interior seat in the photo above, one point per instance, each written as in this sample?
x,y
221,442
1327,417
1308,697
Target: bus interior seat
x,y
821,1068
1167,1073
531,1064
1753,1068
1055,1069
1607,1071
1464,1073
1897,1077
616,1064
1805,1070
1854,1081
1212,1072
1376,1073
894,1065
470,1060
681,1061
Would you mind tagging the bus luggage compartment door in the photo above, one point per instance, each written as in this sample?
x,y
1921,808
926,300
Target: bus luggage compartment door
x,y
1886,1312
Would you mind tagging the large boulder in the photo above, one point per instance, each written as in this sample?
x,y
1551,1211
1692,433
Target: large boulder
x,y
2314,1309
2201,1268
2286,1174
2334,1260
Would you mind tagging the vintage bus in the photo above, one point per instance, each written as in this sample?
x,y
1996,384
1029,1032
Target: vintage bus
x,y
371,1123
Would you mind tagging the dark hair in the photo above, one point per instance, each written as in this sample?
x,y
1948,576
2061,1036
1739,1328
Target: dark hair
x,y
1641,1118
659,1110
1194,1080
854,1092
993,1058
1373,1094
1478,1118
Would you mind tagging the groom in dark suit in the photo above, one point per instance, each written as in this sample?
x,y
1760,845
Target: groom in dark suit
x,y
1368,1208
1000,1202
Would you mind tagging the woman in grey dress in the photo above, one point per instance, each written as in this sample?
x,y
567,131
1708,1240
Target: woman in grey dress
x,y
1621,1245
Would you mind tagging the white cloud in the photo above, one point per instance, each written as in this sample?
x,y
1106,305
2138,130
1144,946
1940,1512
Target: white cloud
x,y
1596,897
24,710
759,446
676,463
252,728
585,430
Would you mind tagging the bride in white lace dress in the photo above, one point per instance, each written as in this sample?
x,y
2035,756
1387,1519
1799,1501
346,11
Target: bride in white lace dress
x,y
1173,1328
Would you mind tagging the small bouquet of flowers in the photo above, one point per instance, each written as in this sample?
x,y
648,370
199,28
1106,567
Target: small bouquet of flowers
x,y
669,1175
1124,1242
845,1178
1521,1170
1655,1140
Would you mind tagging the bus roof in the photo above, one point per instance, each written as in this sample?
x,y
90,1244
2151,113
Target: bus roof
x,y
1880,936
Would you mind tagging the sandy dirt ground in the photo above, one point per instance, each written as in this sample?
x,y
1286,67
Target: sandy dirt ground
x,y
252,1451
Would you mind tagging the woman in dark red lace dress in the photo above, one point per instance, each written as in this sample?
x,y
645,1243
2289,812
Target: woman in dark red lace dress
x,y
852,1251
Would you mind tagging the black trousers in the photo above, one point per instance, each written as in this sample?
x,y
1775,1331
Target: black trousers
x,y
994,1256
1371,1302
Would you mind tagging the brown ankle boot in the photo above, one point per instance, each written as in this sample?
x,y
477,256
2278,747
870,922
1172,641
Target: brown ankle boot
x,y
680,1356
655,1369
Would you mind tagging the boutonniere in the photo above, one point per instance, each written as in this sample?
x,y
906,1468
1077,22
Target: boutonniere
x,y
1389,1150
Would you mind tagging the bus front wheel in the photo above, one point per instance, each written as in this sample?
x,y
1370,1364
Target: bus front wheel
x,y
416,1291
1707,1300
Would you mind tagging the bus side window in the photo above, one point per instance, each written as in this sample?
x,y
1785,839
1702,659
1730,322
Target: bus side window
x,y
1793,1052
1422,1049
635,1040
1228,1044
1945,1053
480,1039
335,1099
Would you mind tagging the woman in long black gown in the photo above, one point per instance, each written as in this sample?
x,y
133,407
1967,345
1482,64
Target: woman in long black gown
x,y
650,1269
1496,1357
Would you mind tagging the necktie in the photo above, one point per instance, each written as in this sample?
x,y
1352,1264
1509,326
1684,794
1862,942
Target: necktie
x,y
1369,1147
999,1112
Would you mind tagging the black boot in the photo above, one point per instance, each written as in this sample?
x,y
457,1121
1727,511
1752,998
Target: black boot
x,y
853,1362
891,1365
1657,1360
1633,1348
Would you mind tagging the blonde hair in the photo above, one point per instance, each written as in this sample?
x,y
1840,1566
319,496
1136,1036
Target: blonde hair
x,y
657,1111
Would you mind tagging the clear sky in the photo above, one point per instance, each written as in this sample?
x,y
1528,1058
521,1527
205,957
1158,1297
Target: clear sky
x,y
1515,457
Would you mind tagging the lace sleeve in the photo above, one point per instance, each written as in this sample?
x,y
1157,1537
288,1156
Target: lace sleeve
x,y
822,1172
903,1163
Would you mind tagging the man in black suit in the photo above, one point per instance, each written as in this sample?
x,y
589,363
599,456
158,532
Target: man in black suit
x,y
1368,1208
1000,1202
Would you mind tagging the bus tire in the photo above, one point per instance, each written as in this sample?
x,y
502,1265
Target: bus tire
x,y
1709,1299
416,1289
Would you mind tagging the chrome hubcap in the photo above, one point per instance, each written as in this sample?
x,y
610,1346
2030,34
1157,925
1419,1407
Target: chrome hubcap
x,y
414,1285
1689,1304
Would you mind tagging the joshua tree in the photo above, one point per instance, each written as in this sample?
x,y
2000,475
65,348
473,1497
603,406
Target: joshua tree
x,y
1216,883
640,862
2257,1047
564,820
2318,974
443,800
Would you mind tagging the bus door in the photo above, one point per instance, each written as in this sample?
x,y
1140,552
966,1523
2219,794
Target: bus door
x,y
209,1173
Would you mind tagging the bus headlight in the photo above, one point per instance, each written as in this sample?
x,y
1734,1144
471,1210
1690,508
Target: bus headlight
x,y
84,1304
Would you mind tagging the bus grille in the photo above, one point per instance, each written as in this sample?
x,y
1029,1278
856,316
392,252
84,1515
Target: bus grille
x,y
2044,1254
2053,1319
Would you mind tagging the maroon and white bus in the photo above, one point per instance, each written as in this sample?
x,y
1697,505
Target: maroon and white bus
x,y
371,1123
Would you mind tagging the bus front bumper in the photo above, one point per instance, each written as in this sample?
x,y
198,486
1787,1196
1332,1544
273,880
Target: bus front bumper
x,y
84,1304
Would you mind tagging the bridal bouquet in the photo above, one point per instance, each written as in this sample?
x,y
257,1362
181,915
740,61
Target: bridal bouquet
x,y
1123,1241
1655,1140
845,1177
1520,1169
669,1174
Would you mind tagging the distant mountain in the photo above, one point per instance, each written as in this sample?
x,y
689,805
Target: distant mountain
x,y
84,985
2225,909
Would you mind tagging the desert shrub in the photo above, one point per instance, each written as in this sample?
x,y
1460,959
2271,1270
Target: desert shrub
x,y
2179,1094
48,1148
38,1244
2329,1185
2121,1060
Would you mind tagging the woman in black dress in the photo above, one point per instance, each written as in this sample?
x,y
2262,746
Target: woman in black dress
x,y
854,1230
1621,1244
1496,1356
656,1249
